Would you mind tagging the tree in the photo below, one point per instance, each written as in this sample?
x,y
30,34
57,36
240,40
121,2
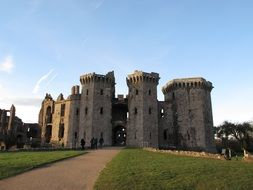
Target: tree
x,y
240,131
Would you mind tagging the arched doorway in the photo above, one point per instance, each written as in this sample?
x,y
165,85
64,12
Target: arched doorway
x,y
119,136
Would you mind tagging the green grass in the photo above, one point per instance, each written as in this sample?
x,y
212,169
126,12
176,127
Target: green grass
x,y
139,169
12,163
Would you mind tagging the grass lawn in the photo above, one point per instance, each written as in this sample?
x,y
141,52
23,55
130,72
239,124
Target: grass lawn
x,y
12,163
139,169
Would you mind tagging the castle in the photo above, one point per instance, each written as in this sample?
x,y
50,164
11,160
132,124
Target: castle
x,y
183,120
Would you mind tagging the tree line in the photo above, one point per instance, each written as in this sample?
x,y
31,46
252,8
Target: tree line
x,y
237,136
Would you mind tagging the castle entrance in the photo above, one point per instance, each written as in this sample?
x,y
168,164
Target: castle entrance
x,y
119,136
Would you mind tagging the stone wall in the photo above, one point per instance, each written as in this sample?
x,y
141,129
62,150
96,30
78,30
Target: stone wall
x,y
166,131
46,116
188,153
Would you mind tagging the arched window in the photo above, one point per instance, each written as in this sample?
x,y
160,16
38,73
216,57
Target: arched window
x,y
61,131
135,111
48,115
149,110
149,92
86,111
62,109
101,92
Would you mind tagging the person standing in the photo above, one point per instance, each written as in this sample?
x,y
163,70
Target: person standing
x,y
92,141
82,143
101,141
96,143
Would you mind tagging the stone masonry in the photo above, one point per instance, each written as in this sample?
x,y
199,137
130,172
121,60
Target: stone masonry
x,y
182,121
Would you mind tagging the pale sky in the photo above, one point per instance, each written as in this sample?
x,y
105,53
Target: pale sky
x,y
45,45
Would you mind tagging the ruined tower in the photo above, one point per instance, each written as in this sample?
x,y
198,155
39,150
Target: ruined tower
x,y
192,120
142,128
96,107
45,118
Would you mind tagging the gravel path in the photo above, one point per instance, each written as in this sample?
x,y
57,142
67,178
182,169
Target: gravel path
x,y
77,173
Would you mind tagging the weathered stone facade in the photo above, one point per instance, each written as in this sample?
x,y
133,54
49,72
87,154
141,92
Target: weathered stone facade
x,y
183,120
12,129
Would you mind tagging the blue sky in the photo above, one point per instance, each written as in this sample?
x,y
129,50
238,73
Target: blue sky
x,y
46,45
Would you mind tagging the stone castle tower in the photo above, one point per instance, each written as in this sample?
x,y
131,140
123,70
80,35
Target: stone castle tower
x,y
96,106
142,128
183,120
188,103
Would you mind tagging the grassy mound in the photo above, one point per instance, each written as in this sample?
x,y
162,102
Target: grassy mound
x,y
12,163
140,169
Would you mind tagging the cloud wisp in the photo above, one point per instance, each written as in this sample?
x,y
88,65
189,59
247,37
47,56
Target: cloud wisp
x,y
7,64
38,83
51,80
98,3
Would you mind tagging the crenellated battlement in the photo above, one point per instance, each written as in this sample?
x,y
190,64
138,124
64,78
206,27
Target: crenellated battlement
x,y
93,77
140,76
196,82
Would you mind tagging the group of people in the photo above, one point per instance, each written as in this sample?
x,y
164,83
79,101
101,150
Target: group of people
x,y
93,143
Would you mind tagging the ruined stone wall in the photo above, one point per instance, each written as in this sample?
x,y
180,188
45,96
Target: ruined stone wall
x,y
59,120
96,107
142,127
65,122
47,110
166,132
191,107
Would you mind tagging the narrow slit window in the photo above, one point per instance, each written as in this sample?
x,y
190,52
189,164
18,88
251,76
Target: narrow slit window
x,y
162,112
101,110
165,136
135,111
